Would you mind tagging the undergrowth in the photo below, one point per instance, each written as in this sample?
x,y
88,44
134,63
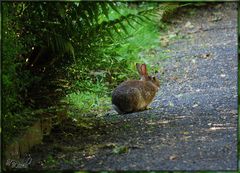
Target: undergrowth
x,y
93,96
40,66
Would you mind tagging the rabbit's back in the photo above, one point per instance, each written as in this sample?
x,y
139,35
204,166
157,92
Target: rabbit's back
x,y
134,95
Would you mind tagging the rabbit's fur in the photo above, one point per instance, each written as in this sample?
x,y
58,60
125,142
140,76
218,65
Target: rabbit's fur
x,y
135,95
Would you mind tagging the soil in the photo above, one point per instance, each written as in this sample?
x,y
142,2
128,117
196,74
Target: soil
x,y
192,123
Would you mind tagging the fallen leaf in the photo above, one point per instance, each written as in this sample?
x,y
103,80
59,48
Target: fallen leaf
x,y
173,157
174,78
195,105
90,157
109,145
185,133
206,56
171,104
223,75
215,19
120,149
189,25
164,41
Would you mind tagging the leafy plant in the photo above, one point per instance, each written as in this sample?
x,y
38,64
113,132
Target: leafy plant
x,y
115,62
72,51
88,102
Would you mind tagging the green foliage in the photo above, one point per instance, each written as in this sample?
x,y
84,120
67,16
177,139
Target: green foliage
x,y
113,61
50,161
120,149
92,99
88,103
80,49
14,124
15,80
9,76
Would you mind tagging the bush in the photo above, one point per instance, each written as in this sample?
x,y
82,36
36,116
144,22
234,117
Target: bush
x,y
112,62
15,79
75,51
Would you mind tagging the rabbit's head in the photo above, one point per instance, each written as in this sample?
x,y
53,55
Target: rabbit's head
x,y
142,70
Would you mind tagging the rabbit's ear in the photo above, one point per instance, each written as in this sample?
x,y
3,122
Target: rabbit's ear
x,y
139,69
144,69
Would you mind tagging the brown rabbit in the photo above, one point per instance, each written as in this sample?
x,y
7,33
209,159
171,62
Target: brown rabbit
x,y
135,95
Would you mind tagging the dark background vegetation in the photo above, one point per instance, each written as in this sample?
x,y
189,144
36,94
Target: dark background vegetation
x,y
57,54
